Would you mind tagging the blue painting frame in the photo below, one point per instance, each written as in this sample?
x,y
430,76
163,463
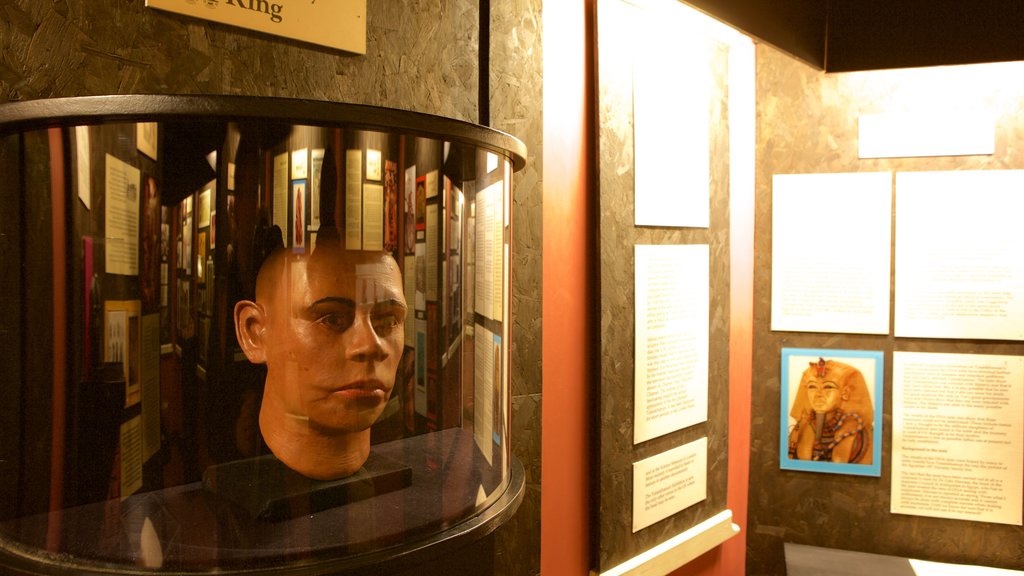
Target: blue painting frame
x,y
794,362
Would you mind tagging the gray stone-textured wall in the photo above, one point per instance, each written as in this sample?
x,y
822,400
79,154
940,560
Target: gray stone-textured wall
x,y
807,123
422,55
516,98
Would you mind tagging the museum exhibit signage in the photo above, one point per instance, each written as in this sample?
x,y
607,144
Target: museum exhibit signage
x,y
929,133
957,436
831,411
671,318
839,282
668,113
959,255
337,24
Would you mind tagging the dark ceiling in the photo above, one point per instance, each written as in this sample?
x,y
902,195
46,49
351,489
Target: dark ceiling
x,y
842,36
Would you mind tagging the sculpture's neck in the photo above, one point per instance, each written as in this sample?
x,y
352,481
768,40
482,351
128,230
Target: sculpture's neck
x,y
314,453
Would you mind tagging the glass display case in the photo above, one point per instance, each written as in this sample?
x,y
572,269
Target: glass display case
x,y
248,334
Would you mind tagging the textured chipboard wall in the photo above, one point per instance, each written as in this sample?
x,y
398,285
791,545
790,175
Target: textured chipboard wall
x,y
807,123
617,236
422,55
516,84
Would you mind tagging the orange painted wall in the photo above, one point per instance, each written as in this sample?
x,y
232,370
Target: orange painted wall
x,y
565,536
568,193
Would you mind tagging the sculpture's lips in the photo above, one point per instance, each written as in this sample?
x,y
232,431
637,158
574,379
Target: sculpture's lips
x,y
363,389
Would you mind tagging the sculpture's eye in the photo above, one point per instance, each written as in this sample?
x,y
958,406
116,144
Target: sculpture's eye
x,y
386,316
337,322
336,314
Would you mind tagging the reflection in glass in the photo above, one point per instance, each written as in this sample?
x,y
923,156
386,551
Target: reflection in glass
x,y
330,329
263,341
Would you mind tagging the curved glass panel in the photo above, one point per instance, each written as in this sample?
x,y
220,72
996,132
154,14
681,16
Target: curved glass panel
x,y
246,333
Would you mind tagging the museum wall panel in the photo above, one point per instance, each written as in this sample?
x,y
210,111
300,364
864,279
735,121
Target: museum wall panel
x,y
516,98
651,438
807,123
420,55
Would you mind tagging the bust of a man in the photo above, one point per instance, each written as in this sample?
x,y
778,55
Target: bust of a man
x,y
834,415
330,328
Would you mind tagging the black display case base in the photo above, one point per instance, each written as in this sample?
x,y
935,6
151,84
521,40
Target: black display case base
x,y
270,491
433,526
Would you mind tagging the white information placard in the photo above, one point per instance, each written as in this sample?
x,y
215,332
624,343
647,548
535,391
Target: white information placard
x,y
433,250
316,169
669,482
300,164
831,237
353,199
671,123
122,217
672,324
936,133
147,138
84,161
281,189
960,254
958,436
486,350
373,217
338,24
489,251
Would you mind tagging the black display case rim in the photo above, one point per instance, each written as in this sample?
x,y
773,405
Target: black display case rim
x,y
23,115
21,560
41,114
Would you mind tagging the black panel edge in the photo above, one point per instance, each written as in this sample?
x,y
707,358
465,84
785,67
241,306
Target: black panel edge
x,y
875,34
796,27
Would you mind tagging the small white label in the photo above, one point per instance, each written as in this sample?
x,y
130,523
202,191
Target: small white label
x,y
912,135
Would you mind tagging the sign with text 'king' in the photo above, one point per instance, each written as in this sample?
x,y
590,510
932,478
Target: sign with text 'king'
x,y
338,24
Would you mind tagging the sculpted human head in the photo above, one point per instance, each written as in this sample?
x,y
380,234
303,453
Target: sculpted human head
x,y
829,385
330,329
823,394
834,415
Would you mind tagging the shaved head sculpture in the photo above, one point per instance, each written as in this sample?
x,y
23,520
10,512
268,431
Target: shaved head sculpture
x,y
834,415
329,326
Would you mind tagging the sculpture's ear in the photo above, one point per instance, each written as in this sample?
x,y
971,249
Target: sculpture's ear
x,y
250,325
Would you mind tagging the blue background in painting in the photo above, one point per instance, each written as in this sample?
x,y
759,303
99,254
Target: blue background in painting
x,y
873,469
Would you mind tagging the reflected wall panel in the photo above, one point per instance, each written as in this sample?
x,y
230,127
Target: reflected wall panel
x,y
239,278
